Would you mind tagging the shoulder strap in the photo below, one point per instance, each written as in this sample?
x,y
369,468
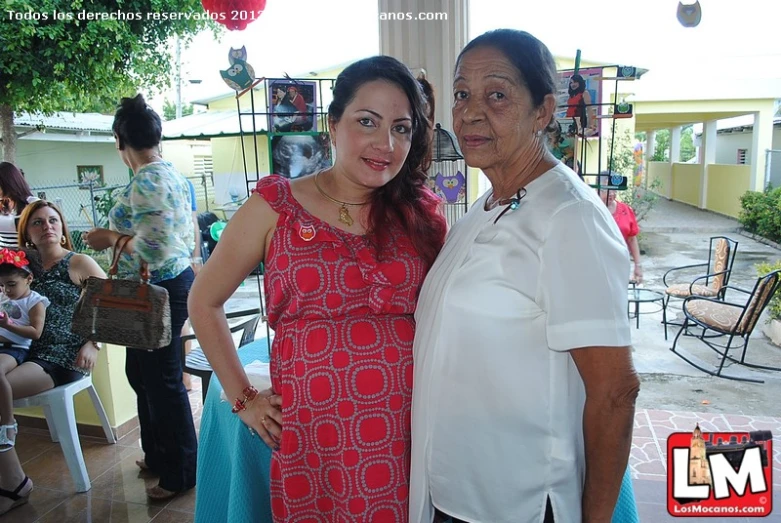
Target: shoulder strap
x,y
119,246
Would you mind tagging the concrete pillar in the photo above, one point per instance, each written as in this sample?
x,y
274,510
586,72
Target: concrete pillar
x,y
675,144
762,140
432,45
650,147
707,157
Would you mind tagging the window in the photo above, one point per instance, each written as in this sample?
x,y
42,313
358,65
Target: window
x,y
203,172
742,156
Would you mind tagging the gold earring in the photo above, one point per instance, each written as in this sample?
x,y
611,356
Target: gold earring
x,y
29,245
63,240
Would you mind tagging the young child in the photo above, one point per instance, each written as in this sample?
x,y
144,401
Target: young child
x,y
22,315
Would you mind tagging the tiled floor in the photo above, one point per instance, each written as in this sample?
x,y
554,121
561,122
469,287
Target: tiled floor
x,y
118,493
118,486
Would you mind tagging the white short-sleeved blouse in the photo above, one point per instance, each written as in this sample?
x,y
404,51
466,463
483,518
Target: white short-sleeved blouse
x,y
498,401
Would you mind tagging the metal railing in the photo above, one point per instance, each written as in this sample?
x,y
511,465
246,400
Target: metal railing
x,y
773,167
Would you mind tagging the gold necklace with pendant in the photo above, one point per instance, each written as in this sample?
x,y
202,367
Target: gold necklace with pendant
x,y
344,212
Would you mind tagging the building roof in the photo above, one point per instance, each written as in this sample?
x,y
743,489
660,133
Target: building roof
x,y
212,124
711,78
62,121
735,125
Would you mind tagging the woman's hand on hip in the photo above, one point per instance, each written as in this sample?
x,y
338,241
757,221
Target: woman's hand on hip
x,y
264,416
99,239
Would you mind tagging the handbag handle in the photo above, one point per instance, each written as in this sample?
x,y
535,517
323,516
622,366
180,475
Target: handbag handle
x,y
119,246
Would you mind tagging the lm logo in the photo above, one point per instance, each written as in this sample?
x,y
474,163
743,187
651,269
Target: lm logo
x,y
719,474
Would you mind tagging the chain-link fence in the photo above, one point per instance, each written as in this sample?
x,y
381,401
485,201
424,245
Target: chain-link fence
x,y
87,205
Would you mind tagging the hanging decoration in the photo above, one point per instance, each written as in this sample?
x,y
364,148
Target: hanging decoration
x,y
689,15
240,76
638,155
452,188
234,14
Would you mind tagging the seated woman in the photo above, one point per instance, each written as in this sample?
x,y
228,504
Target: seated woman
x,y
15,194
58,356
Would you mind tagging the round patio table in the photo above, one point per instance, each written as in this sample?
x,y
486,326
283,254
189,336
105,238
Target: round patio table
x,y
638,296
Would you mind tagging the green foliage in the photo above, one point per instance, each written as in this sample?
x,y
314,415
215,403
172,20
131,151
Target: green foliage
x,y
640,199
104,203
662,144
87,65
761,213
169,110
623,160
688,151
774,307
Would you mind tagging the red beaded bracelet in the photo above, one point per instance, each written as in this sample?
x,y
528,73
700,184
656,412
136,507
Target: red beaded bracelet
x,y
249,393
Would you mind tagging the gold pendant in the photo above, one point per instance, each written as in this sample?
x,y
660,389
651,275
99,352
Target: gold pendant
x,y
344,216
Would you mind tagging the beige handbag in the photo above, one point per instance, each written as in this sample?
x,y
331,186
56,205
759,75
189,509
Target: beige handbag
x,y
123,312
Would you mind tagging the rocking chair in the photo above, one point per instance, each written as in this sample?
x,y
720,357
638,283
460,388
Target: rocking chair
x,y
718,319
721,257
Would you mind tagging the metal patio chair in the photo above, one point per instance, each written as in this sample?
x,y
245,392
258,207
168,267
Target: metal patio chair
x,y
712,284
720,319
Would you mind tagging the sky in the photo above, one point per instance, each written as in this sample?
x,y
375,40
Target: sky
x,y
734,38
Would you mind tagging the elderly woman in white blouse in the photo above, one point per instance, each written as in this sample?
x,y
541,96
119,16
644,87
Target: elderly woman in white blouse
x,y
525,390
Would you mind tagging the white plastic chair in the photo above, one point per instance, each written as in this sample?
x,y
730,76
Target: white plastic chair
x,y
57,404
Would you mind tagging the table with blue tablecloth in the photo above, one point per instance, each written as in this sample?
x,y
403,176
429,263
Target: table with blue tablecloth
x,y
233,465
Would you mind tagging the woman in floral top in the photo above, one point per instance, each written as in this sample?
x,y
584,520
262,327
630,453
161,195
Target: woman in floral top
x,y
58,356
155,210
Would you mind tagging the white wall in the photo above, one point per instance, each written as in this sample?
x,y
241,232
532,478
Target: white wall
x,y
49,162
729,143
181,153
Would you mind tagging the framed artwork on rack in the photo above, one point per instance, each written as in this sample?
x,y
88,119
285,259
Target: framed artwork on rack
x,y
86,174
292,105
296,155
578,99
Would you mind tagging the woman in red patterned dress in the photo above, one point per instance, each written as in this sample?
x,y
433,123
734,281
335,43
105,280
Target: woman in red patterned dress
x,y
345,252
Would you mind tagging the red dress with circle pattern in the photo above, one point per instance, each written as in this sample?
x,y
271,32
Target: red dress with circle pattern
x,y
342,361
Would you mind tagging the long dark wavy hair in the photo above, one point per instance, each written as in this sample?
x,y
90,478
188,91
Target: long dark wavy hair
x,y
581,88
14,186
406,199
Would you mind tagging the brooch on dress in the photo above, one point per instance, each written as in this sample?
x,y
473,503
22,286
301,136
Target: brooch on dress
x,y
307,232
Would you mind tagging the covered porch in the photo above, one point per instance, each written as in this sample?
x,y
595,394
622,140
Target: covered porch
x,y
702,182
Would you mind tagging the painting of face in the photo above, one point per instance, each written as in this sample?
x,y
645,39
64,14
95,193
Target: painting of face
x,y
292,107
